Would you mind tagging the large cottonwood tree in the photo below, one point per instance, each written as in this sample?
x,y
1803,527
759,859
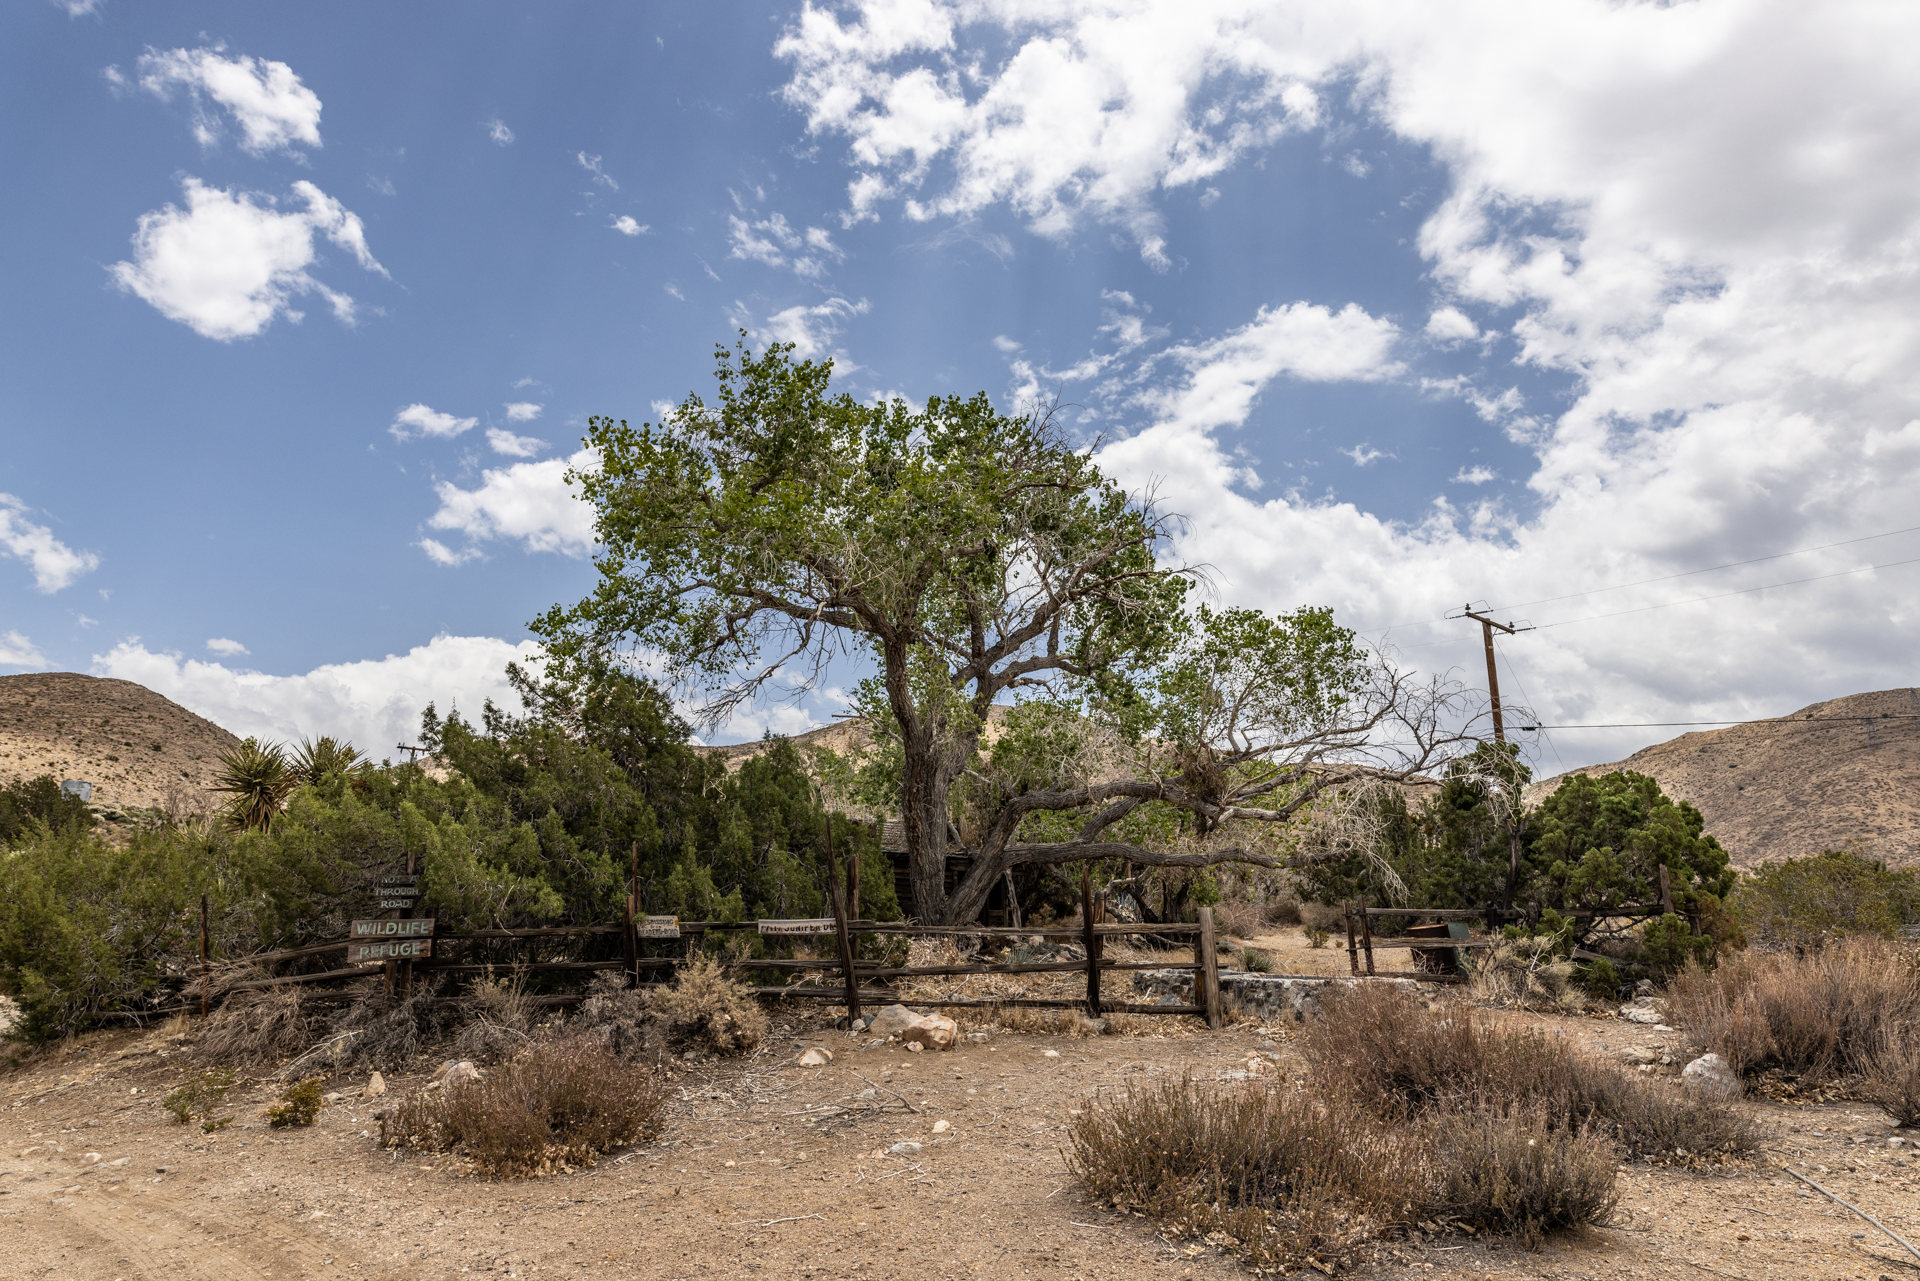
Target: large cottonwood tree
x,y
976,558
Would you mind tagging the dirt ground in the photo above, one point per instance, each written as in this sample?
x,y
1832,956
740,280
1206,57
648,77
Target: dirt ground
x,y
762,1171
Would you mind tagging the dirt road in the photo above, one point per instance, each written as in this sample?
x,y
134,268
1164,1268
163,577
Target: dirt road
x,y
765,1169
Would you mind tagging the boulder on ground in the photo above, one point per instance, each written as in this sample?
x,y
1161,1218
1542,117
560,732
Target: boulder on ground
x,y
891,1021
376,1086
818,1056
453,1072
933,1031
1643,1010
1710,1077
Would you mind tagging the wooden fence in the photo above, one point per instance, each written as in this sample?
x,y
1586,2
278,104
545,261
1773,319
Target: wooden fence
x,y
859,981
1435,957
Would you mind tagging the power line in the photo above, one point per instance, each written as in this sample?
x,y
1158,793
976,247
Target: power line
x,y
1744,591
1667,578
1764,720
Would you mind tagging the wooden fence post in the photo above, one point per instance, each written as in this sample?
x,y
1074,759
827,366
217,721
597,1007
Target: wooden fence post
x,y
1353,946
203,956
632,935
838,894
1666,891
1090,941
1366,934
1209,958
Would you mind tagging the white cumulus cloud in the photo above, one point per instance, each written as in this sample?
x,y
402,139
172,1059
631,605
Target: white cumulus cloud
x,y
54,564
523,411
505,442
17,651
1700,216
418,420
266,99
626,226
227,648
375,703
528,502
498,132
811,329
230,261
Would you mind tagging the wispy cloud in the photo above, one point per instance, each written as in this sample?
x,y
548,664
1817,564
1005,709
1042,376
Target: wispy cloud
x,y
54,564
498,132
522,411
777,243
592,165
17,651
1475,475
227,648
626,226
273,109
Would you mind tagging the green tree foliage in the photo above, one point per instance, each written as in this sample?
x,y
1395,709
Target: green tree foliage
x,y
38,804
975,558
1600,842
537,823
1806,901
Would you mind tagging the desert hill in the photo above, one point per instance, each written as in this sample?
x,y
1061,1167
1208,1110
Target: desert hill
x,y
136,747
1839,771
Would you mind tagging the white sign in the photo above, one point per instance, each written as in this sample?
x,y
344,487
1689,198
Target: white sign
x,y
818,925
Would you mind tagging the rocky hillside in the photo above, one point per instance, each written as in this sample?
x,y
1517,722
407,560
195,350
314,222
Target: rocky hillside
x,y
1839,771
135,747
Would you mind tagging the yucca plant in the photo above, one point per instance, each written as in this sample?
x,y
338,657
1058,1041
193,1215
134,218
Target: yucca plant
x,y
323,758
258,779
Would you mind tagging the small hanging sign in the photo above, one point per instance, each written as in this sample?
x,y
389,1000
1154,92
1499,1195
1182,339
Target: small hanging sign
x,y
417,928
658,927
362,953
817,925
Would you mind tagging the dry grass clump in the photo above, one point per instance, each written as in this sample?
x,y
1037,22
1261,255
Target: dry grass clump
x,y
557,1106
499,1020
258,1027
1523,1171
704,1007
1396,1057
1891,1076
1271,1174
384,1032
1835,1009
1525,974
1239,920
616,1016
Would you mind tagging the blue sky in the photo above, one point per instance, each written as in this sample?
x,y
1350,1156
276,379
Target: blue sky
x,y
309,304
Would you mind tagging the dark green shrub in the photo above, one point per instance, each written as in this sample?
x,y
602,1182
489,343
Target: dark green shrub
x,y
200,1095
38,801
1805,901
299,1104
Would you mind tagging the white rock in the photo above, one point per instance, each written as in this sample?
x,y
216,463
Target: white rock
x,y
1709,1077
904,1149
1638,1054
933,1031
376,1086
90,1158
453,1073
977,1038
941,1127
1049,1054
1637,1013
913,1047
857,1026
892,1021
818,1056
118,1162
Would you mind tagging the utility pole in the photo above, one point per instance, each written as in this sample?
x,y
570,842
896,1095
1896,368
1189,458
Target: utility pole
x,y
1487,627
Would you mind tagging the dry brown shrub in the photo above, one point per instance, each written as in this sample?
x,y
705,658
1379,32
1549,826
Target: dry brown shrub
x,y
1891,1077
1813,1014
1270,1173
1393,1056
1282,911
251,1029
1525,974
1523,1171
499,1020
704,1007
1319,916
384,1032
616,1016
557,1106
1240,920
